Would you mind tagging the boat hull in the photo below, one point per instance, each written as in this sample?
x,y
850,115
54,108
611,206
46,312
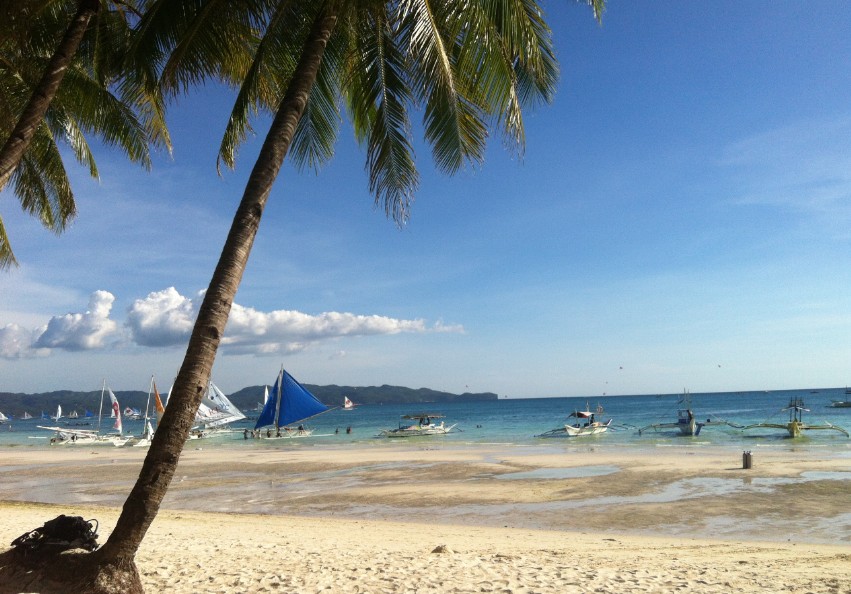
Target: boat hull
x,y
585,430
418,431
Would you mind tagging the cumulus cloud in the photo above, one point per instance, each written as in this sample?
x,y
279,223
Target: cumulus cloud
x,y
82,331
286,331
18,343
163,318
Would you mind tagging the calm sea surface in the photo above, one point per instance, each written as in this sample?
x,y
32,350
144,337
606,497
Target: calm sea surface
x,y
517,422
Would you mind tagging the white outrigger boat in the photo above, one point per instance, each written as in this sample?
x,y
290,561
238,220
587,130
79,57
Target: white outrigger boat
x,y
686,422
586,424
796,425
423,426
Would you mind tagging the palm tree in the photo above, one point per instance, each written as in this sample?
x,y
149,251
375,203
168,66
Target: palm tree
x,y
466,64
59,79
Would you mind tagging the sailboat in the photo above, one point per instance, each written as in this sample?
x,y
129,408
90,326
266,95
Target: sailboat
x,y
796,425
118,438
64,436
348,404
216,412
144,440
289,404
26,416
74,415
3,417
58,412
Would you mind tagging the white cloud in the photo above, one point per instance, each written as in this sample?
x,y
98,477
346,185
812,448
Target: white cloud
x,y
82,331
284,331
18,343
163,318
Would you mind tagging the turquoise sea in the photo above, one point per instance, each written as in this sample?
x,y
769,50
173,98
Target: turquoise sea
x,y
519,421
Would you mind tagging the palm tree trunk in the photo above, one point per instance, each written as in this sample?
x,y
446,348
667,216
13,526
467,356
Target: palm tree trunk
x,y
18,142
160,464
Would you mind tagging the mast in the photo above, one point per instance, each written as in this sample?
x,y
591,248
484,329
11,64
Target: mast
x,y
147,406
278,396
100,408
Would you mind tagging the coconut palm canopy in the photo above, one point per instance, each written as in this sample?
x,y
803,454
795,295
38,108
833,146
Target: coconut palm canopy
x,y
93,94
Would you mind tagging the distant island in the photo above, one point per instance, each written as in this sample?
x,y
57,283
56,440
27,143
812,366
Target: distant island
x,y
246,399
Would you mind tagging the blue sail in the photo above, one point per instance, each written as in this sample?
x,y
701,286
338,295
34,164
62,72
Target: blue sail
x,y
267,416
292,402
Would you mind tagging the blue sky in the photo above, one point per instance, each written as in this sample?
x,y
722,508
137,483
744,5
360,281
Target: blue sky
x,y
681,218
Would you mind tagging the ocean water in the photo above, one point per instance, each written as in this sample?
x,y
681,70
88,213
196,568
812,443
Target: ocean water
x,y
517,422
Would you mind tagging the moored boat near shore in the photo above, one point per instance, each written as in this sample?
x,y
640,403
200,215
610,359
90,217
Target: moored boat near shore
x,y
586,424
423,426
796,426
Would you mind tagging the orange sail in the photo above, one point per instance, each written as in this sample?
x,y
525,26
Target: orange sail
x,y
158,404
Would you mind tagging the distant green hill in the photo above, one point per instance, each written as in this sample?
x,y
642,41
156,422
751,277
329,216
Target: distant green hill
x,y
14,404
248,398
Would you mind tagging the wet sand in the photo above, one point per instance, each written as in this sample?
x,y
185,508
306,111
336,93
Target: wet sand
x,y
534,519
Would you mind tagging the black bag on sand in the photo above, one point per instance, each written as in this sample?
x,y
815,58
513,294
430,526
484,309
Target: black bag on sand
x,y
60,534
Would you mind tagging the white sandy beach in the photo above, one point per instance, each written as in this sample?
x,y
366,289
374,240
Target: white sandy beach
x,y
336,523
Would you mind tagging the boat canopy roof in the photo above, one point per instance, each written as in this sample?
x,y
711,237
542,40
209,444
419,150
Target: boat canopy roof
x,y
424,416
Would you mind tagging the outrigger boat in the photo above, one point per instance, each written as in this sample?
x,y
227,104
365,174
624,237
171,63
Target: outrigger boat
x,y
686,422
423,426
289,404
586,424
796,425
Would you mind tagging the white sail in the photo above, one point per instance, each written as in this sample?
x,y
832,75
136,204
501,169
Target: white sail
x,y
58,412
116,412
3,417
216,409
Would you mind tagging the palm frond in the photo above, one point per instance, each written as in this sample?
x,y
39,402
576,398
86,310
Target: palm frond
x,y
100,112
270,70
197,41
319,126
41,183
453,120
378,97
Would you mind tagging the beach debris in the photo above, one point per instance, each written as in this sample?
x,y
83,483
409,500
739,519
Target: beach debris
x,y
442,549
59,534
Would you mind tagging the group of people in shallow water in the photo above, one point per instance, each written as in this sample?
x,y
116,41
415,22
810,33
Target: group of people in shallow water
x,y
258,433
